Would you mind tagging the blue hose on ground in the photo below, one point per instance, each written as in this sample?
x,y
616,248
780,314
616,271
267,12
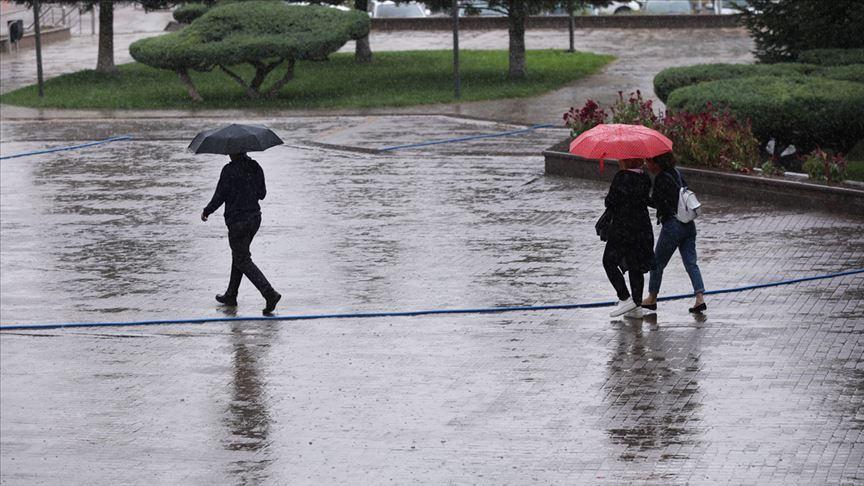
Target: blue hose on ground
x,y
359,315
73,147
465,139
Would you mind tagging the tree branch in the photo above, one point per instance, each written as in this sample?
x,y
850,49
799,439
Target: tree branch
x,y
190,86
251,93
262,71
282,82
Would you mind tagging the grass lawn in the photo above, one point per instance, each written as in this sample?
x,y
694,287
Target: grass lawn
x,y
393,79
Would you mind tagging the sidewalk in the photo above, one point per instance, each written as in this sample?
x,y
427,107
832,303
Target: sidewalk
x,y
765,390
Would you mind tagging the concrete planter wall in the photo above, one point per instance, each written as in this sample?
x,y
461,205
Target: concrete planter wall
x,y
779,191
562,22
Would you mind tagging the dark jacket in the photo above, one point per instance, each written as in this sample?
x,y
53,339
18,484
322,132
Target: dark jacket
x,y
240,187
631,239
664,194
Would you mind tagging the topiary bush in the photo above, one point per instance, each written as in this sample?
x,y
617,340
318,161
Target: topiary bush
x,y
852,72
188,12
264,34
832,57
670,79
805,111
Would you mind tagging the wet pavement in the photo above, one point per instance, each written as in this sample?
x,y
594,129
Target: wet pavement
x,y
641,53
766,389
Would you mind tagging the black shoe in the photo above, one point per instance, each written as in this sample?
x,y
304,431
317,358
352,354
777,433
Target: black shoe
x,y
272,299
652,307
698,309
225,299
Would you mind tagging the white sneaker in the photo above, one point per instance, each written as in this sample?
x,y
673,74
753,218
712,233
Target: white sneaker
x,y
623,307
636,313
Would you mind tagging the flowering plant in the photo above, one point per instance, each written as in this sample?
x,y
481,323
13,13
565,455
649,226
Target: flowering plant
x,y
586,118
822,166
712,138
634,110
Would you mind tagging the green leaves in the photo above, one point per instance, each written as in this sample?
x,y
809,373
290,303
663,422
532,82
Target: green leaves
x,y
804,111
255,33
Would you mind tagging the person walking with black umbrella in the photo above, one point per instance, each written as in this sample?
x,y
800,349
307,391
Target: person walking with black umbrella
x,y
241,185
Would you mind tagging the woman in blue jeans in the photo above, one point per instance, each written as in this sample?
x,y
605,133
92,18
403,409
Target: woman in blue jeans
x,y
674,234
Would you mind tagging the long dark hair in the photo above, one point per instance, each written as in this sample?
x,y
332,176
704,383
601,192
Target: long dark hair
x,y
665,161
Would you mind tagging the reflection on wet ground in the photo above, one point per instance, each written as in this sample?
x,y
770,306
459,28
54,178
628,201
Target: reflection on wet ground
x,y
766,389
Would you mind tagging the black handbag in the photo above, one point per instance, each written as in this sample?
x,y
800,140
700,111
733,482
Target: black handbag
x,y
602,226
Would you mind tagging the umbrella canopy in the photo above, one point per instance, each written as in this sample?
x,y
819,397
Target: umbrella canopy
x,y
234,139
617,141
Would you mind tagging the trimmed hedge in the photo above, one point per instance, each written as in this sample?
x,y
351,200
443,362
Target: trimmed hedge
x,y
249,32
832,57
188,12
264,33
852,72
670,79
806,111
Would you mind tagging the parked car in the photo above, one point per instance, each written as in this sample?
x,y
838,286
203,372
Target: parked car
x,y
385,10
303,4
614,8
686,7
480,9
671,7
617,8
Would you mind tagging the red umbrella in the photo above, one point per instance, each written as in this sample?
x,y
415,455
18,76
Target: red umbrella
x,y
618,141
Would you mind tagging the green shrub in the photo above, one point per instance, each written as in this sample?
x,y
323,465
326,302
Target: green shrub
x,y
832,57
188,12
670,79
804,111
822,166
852,72
264,34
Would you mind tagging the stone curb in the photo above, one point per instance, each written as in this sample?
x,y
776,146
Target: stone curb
x,y
778,191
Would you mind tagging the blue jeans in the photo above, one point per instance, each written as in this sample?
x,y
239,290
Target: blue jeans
x,y
682,236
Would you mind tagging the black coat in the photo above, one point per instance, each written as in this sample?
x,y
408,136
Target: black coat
x,y
664,195
631,239
240,186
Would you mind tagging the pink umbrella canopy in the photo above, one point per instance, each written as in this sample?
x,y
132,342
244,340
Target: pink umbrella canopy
x,y
618,141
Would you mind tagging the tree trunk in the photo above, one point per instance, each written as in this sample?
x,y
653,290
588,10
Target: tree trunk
x,y
362,52
289,75
571,26
105,62
251,93
190,86
518,16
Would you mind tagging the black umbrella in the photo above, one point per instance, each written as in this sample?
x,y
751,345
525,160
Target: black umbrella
x,y
234,139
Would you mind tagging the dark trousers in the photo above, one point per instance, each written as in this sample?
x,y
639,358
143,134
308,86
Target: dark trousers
x,y
240,235
637,280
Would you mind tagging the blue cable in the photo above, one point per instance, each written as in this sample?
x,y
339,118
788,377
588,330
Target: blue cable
x,y
465,139
359,315
73,147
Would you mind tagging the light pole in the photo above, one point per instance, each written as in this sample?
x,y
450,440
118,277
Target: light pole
x,y
38,38
457,82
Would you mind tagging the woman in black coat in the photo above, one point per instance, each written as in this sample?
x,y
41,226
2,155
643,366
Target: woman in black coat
x,y
630,243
